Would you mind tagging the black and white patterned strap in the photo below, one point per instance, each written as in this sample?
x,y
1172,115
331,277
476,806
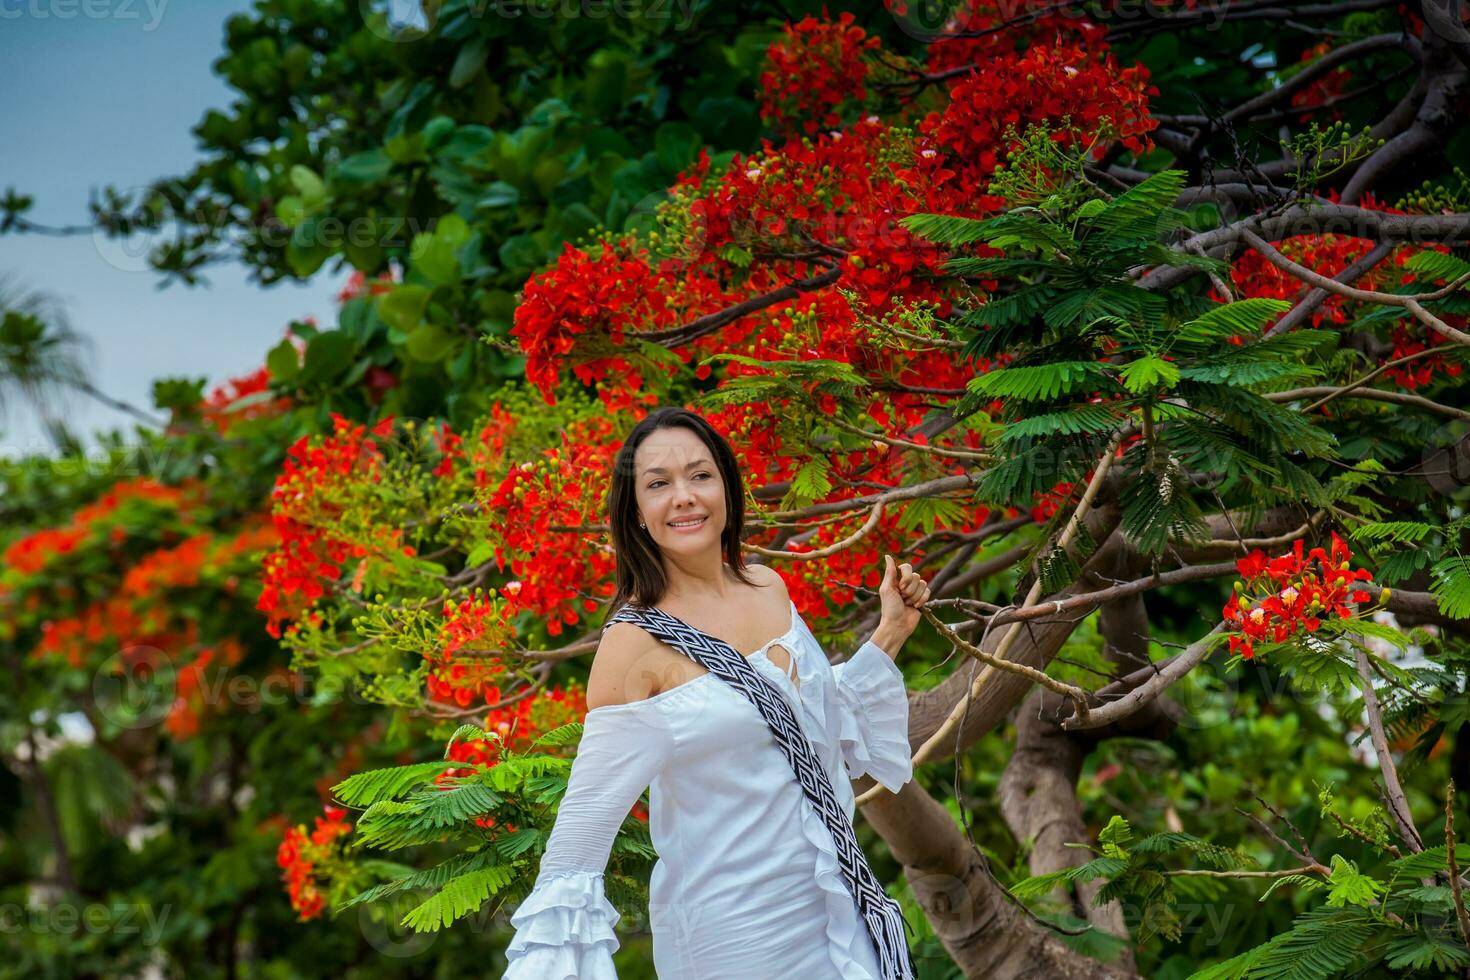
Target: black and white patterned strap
x,y
882,915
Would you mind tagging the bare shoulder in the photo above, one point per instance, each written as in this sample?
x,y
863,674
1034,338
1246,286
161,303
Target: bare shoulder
x,y
767,576
618,673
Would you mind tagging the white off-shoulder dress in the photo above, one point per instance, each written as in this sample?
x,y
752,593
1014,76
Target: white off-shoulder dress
x,y
747,882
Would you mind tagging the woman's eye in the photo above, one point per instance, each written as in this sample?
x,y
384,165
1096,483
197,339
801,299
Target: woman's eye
x,y
656,483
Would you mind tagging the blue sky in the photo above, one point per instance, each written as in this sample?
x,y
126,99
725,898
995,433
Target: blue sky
x,y
105,92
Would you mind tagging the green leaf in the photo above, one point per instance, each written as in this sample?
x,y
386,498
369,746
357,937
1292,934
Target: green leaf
x,y
1035,383
499,194
375,785
327,356
1092,208
1146,372
1450,584
480,554
403,307
675,145
1431,861
283,362
291,210
1114,836
810,481
407,879
1350,886
458,898
468,63
944,229
434,256
313,192
1425,952
1145,202
1245,317
429,344
1085,417
362,169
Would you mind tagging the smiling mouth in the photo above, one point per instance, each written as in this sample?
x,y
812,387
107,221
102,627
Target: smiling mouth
x,y
688,525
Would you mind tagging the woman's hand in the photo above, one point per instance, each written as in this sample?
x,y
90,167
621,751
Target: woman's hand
x,y
902,594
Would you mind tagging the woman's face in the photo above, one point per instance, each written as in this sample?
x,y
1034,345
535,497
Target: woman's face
x,y
676,480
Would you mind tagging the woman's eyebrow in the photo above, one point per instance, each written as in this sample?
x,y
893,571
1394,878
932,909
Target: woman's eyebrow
x,y
660,469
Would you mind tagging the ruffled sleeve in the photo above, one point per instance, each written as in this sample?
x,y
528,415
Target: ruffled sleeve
x,y
873,712
564,928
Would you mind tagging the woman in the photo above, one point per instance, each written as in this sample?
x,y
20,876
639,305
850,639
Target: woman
x,y
758,875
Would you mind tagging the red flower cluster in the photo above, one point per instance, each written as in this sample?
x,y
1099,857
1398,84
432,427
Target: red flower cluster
x,y
526,720
1052,85
449,444
815,69
589,301
1320,93
1254,276
306,556
1291,594
31,553
1421,371
461,681
1048,503
537,506
302,855
973,35
244,398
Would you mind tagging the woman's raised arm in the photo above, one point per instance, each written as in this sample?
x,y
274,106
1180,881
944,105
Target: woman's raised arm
x,y
564,928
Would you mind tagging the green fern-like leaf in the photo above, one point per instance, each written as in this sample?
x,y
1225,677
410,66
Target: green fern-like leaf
x,y
366,788
458,898
1400,532
1426,952
560,736
1430,861
1156,510
456,804
1430,264
1086,417
433,877
948,230
1245,317
1450,584
1320,945
1148,372
1101,867
1141,203
1036,382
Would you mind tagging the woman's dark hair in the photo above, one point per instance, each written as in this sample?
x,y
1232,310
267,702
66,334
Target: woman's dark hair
x,y
640,567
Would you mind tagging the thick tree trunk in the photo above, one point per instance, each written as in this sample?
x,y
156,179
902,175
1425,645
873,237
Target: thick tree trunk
x,y
983,931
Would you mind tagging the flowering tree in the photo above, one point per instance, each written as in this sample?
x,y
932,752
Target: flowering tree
x,y
1083,341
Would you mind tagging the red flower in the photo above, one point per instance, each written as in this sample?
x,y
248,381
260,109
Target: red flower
x,y
1288,594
